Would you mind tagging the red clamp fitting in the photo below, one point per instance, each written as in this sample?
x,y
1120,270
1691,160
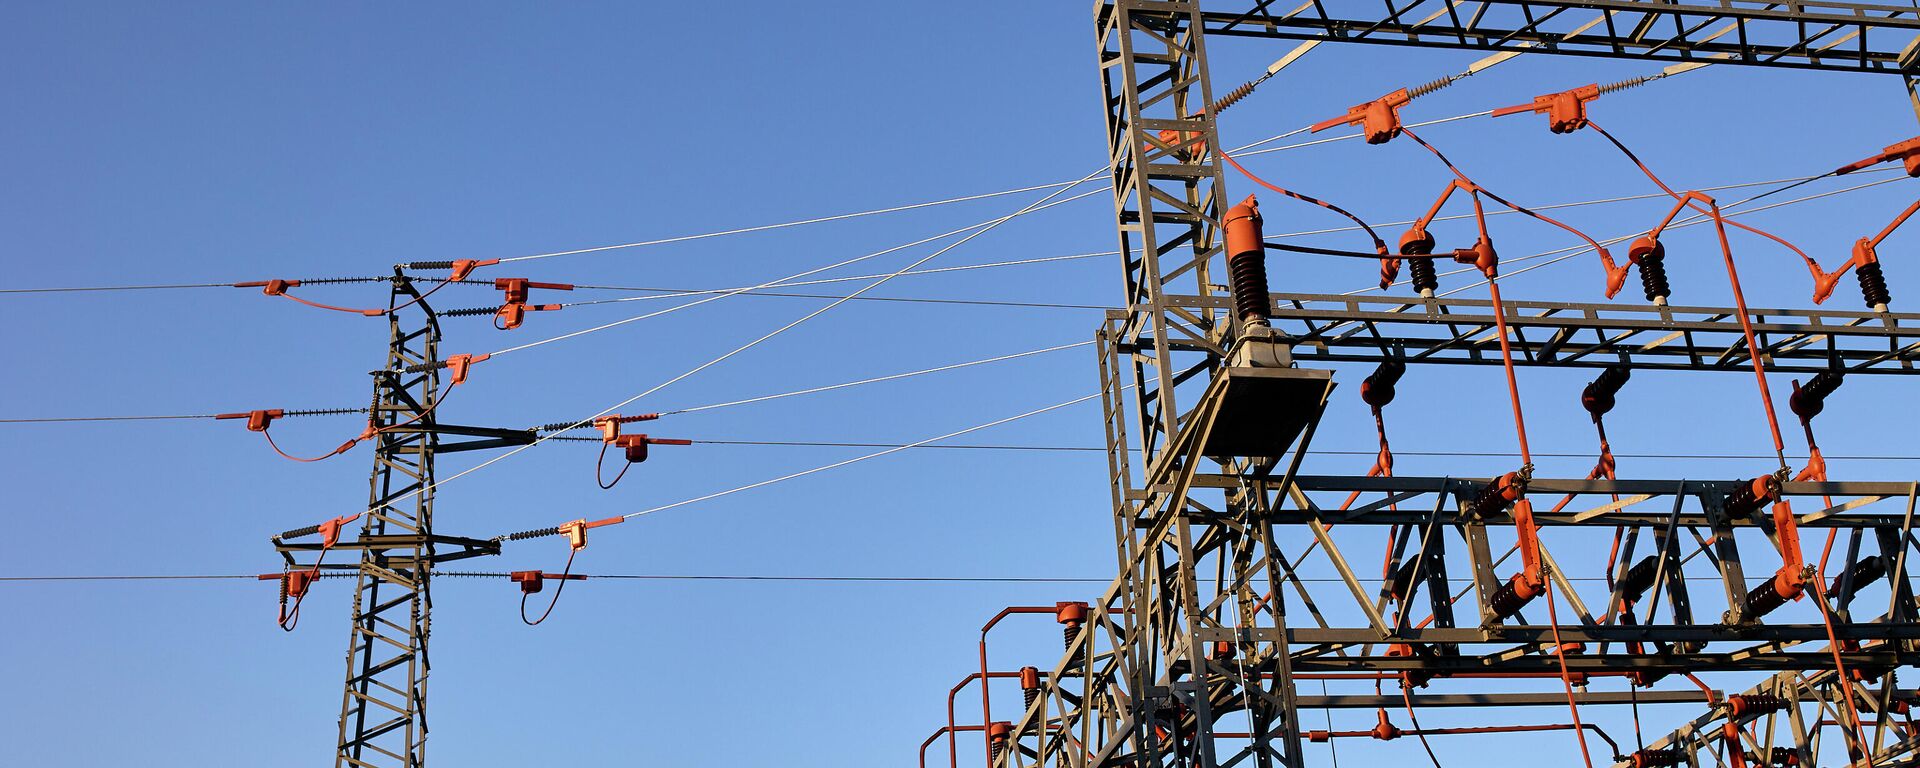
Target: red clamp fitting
x,y
532,581
458,365
257,421
1384,730
1379,120
330,530
1908,152
463,267
514,307
1566,111
636,445
609,425
272,287
296,581
576,531
517,288
510,316
1188,143
1481,256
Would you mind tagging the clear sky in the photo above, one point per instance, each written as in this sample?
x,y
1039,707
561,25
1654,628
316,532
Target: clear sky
x,y
187,143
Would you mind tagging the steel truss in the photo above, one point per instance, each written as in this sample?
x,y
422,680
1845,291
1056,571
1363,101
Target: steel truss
x,y
383,712
1855,37
1189,657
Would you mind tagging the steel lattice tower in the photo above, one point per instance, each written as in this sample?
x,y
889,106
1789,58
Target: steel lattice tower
x,y
1207,420
383,711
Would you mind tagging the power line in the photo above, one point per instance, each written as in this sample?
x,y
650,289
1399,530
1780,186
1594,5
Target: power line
x,y
973,230
677,577
565,426
858,459
177,286
283,414
1375,452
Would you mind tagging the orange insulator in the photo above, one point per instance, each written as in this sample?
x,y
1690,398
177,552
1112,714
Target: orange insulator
x,y
1072,614
1247,261
1742,705
1242,223
1748,498
997,733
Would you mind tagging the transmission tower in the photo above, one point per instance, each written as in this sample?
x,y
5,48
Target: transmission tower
x,y
383,710
1212,399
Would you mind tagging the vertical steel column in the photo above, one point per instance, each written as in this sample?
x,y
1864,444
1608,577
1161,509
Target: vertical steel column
x,y
383,714
1172,682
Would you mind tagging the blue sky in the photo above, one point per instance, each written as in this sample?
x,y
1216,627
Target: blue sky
x,y
225,142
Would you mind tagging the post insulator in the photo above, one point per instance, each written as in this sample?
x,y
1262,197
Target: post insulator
x,y
1030,685
1418,243
1598,397
1869,570
1651,256
997,733
1750,496
1810,399
1741,705
1401,586
1778,757
1639,579
1247,262
1514,595
1072,615
1377,389
1873,285
1504,490
1773,593
1657,758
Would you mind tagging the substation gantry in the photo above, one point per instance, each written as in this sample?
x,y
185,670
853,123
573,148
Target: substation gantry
x,y
1194,654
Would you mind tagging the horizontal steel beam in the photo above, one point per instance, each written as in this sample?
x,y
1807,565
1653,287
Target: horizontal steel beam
x,y
1334,328
1555,699
1838,36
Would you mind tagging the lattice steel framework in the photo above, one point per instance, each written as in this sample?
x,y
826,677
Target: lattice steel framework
x,y
1857,37
383,711
1207,420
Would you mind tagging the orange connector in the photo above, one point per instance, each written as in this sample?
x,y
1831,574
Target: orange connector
x,y
576,531
514,307
636,445
458,365
257,421
532,581
280,288
1907,152
1566,111
1379,120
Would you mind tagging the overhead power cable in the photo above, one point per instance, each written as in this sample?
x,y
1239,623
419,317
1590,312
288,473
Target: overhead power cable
x,y
972,231
858,459
1564,253
71,419
677,577
917,444
803,222
1375,452
564,426
1036,205
177,286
